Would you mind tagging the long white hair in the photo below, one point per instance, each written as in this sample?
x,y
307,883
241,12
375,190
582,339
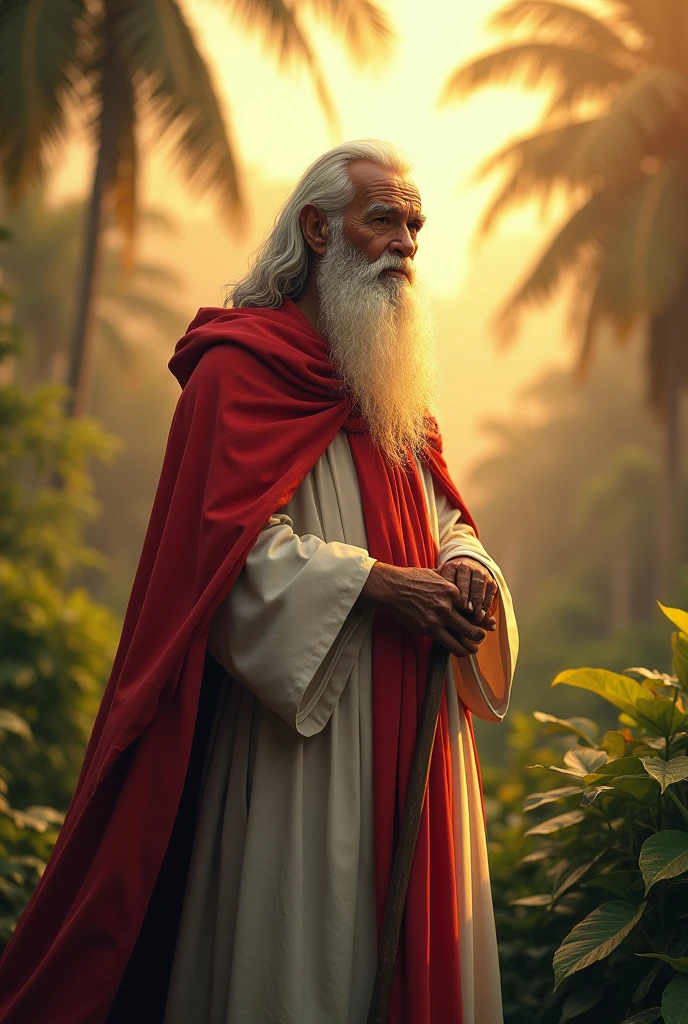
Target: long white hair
x,y
280,266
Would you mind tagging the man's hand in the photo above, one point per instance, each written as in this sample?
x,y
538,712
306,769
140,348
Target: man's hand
x,y
476,586
423,602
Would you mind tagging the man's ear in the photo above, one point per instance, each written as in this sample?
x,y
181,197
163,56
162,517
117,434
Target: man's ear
x,y
314,227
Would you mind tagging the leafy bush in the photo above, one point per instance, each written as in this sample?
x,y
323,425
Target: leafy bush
x,y
613,859
56,644
26,838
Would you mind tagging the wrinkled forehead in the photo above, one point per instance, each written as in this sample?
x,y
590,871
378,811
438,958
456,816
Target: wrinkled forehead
x,y
375,184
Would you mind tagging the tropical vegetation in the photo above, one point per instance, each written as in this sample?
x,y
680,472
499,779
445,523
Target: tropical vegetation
x,y
119,63
56,644
612,142
591,874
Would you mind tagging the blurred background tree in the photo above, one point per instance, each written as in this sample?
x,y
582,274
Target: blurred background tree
x,y
118,63
613,140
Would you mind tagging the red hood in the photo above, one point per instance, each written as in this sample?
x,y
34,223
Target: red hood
x,y
212,325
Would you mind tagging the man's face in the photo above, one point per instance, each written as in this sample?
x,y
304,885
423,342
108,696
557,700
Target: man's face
x,y
384,216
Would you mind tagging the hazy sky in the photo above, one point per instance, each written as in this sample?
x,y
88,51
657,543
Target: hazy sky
x,y
279,129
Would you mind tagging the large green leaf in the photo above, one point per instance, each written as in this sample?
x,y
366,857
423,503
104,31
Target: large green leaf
x,y
556,824
661,715
536,800
663,855
584,759
580,1002
676,615
666,772
679,647
675,1002
621,691
595,937
679,963
583,727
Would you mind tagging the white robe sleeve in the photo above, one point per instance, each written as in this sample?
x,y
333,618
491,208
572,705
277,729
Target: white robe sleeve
x,y
483,680
288,629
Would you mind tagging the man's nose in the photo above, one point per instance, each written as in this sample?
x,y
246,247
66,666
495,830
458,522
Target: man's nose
x,y
403,245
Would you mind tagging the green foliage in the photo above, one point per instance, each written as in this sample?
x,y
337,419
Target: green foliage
x,y
56,645
26,838
611,863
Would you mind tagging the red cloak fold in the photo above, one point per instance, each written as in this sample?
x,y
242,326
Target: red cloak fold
x,y
258,408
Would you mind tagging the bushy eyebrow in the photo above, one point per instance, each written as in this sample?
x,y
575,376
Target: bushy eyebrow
x,y
382,209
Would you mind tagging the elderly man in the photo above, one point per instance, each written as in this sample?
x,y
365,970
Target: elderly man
x,y
227,855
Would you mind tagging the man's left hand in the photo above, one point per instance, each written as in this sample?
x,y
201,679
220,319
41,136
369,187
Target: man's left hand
x,y
476,586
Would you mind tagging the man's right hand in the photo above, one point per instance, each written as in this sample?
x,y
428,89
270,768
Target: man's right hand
x,y
423,602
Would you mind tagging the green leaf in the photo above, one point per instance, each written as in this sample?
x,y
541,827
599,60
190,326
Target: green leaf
x,y
583,727
580,1002
661,715
595,937
666,772
679,647
584,760
679,963
663,855
540,900
618,882
677,616
536,800
621,691
556,824
614,742
645,1016
10,722
675,1002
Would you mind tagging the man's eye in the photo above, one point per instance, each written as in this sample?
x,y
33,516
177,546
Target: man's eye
x,y
382,220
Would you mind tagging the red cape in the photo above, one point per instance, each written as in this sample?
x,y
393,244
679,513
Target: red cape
x,y
256,413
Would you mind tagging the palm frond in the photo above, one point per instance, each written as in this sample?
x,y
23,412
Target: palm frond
x,y
364,27
577,243
278,26
539,164
664,25
646,255
651,104
536,64
157,46
572,25
39,71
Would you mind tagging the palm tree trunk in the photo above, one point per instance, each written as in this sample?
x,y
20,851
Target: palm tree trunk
x,y
80,354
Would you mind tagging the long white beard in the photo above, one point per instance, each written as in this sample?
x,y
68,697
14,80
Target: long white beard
x,y
382,343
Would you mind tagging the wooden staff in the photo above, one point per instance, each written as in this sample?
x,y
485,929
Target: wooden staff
x,y
403,858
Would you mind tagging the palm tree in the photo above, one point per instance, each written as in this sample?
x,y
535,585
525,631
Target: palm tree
x,y
124,60
613,140
40,263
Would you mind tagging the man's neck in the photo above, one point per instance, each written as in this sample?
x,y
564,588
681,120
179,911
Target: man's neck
x,y
309,302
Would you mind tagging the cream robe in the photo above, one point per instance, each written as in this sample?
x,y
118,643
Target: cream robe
x,y
278,925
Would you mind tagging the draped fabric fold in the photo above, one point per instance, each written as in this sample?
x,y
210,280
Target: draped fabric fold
x,y
259,406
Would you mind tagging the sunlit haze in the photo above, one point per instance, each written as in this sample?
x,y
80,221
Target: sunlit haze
x,y
279,128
